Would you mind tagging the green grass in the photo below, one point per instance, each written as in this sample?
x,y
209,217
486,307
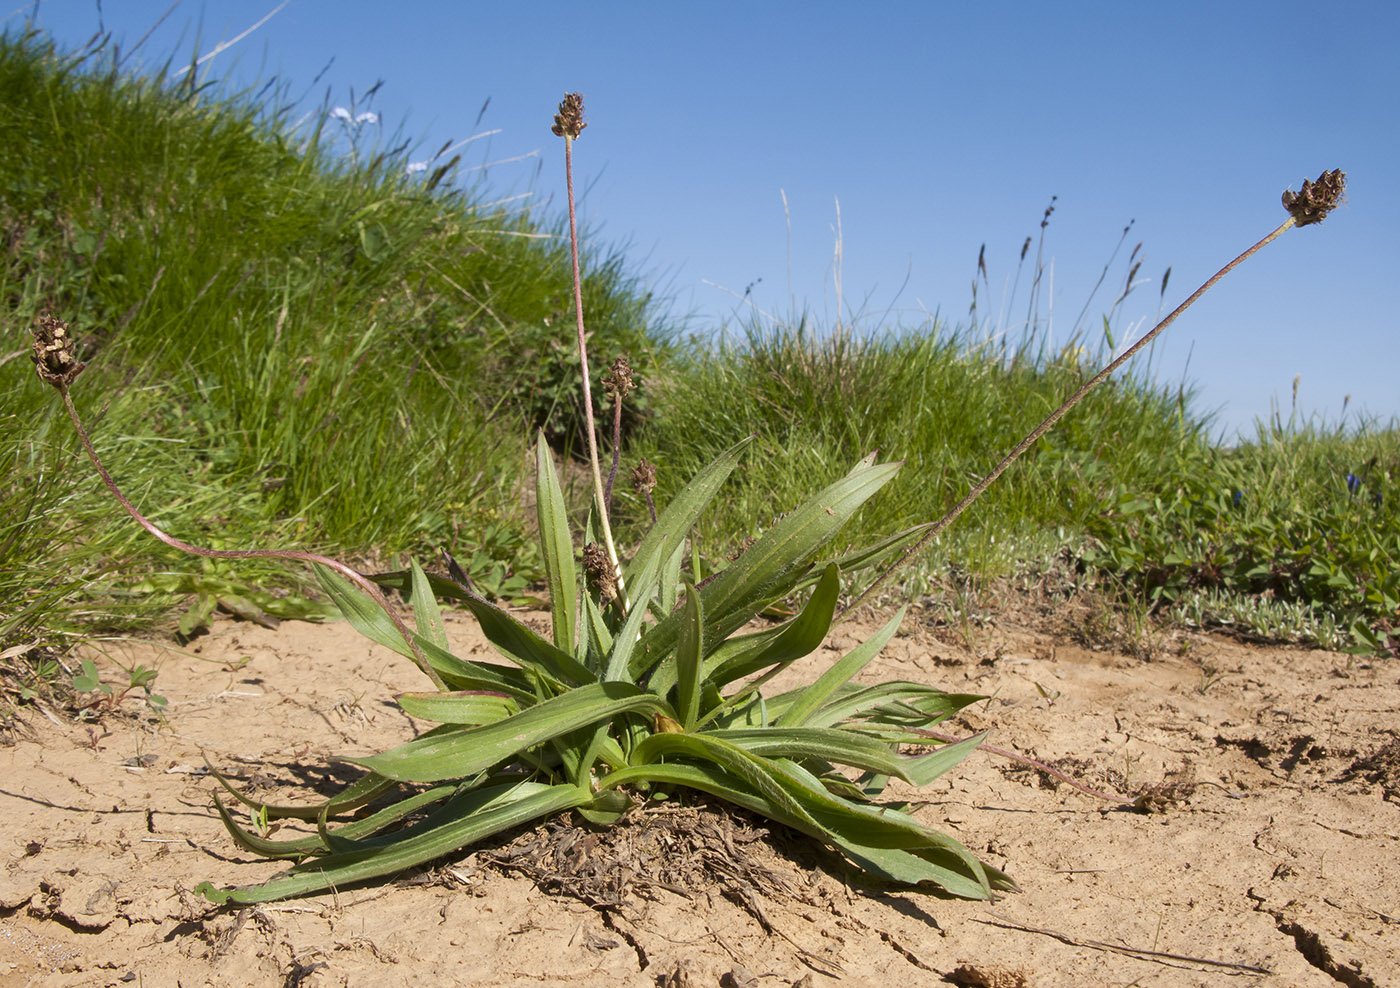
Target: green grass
x,y
292,346
947,405
282,345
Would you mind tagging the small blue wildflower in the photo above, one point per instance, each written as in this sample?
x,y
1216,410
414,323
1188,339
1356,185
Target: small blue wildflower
x,y
1239,498
1353,483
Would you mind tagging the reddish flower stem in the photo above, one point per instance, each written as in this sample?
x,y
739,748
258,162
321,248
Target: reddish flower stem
x,y
354,576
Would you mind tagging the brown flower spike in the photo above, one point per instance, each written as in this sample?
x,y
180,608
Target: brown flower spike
x,y
568,122
53,352
599,570
644,477
1317,199
619,383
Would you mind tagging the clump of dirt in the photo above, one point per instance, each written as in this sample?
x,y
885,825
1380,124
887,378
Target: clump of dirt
x,y
1381,767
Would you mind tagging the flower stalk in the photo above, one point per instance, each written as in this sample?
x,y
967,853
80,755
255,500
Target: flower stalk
x,y
1308,206
569,124
55,362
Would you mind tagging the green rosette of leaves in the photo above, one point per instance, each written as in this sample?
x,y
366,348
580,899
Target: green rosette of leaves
x,y
652,687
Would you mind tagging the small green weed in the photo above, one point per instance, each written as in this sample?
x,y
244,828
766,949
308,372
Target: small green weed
x,y
104,698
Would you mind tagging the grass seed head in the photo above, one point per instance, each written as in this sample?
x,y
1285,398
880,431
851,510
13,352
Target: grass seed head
x,y
1316,199
568,122
53,352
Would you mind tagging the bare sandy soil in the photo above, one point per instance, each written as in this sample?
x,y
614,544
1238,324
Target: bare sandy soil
x,y
1272,857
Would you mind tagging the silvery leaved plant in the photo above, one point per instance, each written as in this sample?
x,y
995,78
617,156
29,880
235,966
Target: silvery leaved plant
x,y
648,683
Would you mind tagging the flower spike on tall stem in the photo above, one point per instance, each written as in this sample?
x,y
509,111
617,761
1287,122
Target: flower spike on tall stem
x,y
1311,205
569,124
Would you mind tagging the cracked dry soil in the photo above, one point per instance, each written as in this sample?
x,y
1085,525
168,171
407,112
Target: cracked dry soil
x,y
1273,858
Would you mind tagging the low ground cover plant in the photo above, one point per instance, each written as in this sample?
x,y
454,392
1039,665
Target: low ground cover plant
x,y
650,680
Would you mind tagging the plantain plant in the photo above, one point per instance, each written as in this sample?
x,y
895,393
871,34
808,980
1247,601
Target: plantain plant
x,y
649,682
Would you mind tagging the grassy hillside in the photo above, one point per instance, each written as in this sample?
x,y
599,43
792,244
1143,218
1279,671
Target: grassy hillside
x,y
286,345
281,345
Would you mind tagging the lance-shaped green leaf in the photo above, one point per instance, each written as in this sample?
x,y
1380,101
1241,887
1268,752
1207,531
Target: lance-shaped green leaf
x,y
303,846
462,674
773,564
363,613
688,650
676,520
809,700
361,792
462,707
425,608
466,751
866,828
755,772
825,744
521,645
556,546
844,747
490,812
654,554
515,641
798,638
746,654
914,855
899,704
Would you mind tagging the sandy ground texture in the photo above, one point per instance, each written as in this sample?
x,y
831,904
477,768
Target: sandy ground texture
x,y
1270,855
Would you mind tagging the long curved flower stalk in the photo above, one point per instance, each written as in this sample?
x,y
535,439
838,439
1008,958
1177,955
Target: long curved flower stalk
x,y
56,363
1309,206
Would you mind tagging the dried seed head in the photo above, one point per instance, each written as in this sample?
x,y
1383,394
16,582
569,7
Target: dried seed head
x,y
568,122
53,352
618,382
644,477
599,570
1317,199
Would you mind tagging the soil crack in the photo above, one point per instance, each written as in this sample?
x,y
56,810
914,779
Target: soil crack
x,y
1316,953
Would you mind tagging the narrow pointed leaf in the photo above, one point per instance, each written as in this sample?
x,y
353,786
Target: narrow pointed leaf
x,y
689,648
744,655
523,646
525,802
462,707
356,830
926,768
774,564
426,614
825,744
466,751
515,641
840,673
676,520
556,546
361,792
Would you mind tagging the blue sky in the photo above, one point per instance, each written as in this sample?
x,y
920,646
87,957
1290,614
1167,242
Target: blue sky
x,y
937,126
